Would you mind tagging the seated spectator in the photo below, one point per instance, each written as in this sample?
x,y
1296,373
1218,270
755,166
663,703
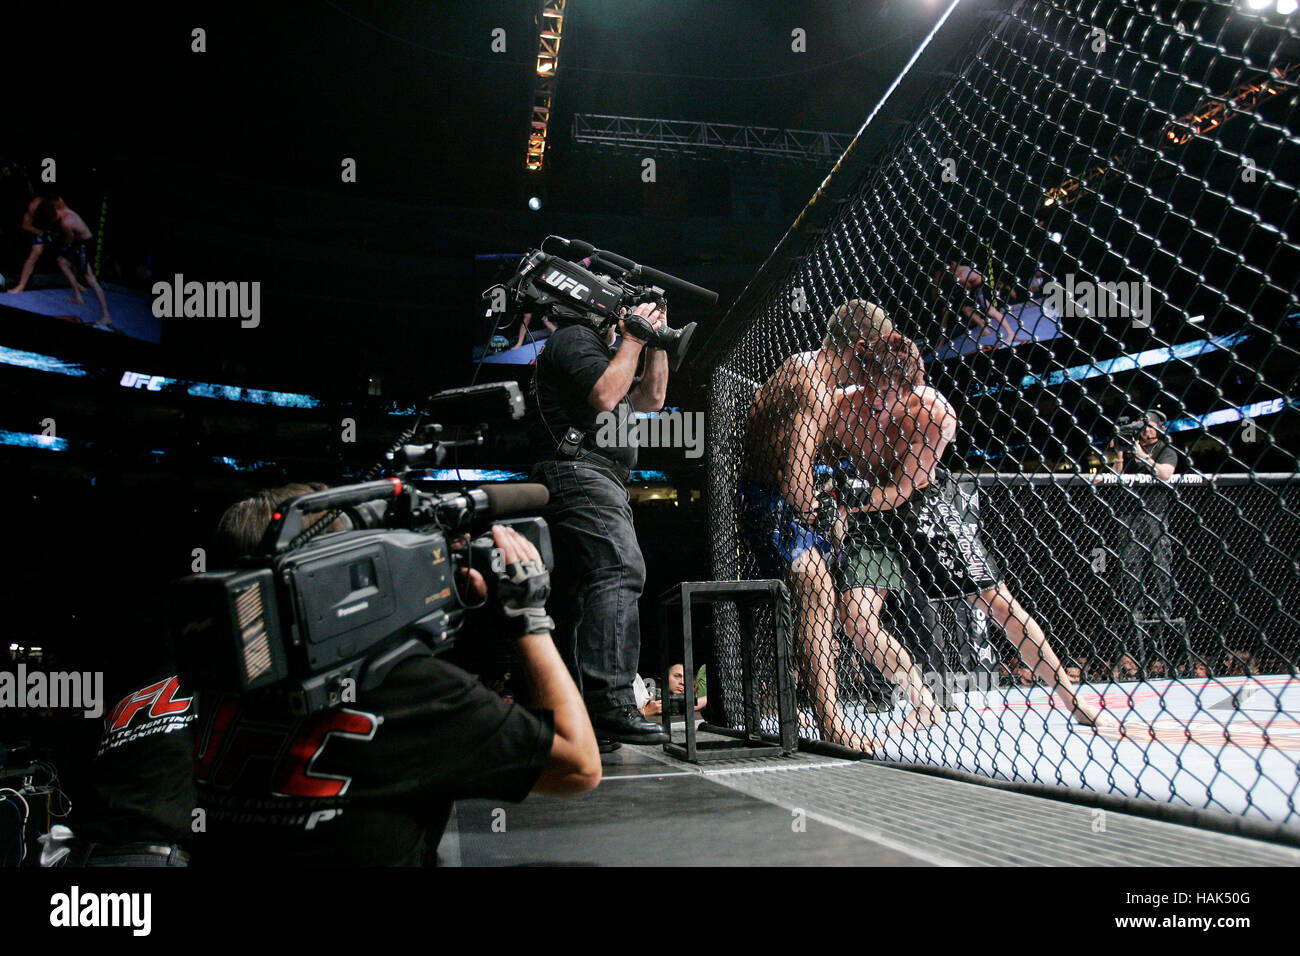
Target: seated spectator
x,y
677,687
1238,663
1126,669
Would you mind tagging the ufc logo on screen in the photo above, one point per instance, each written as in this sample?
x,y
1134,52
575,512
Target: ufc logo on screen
x,y
152,383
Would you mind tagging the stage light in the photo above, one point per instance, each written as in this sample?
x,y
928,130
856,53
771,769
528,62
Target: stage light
x,y
1055,237
1258,4
534,203
549,33
1287,7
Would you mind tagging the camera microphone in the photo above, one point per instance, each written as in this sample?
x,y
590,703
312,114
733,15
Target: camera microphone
x,y
663,279
458,510
513,499
574,249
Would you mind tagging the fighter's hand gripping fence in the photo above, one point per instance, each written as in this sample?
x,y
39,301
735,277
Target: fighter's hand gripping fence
x,y
1009,566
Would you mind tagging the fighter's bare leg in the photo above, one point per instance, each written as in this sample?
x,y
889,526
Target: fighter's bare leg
x,y
1031,643
104,318
814,598
29,266
860,615
66,268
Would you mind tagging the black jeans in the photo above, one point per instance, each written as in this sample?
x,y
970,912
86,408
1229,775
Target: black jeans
x,y
1146,591
599,575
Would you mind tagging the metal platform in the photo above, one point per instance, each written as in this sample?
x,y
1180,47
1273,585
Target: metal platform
x,y
806,810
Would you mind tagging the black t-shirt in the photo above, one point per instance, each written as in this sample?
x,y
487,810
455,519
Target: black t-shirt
x,y
142,774
568,369
363,783
1153,498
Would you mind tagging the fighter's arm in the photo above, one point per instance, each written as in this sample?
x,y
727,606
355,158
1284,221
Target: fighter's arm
x,y
808,425
30,215
929,425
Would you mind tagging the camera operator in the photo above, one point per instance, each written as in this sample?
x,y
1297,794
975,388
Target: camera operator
x,y
599,570
1146,586
372,781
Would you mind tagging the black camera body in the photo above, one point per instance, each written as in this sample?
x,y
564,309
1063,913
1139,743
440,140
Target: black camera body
x,y
325,618
1128,430
575,281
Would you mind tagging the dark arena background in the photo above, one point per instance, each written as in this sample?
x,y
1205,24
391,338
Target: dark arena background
x,y
1048,613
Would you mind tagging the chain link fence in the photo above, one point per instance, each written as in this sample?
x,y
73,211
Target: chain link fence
x,y
1016,420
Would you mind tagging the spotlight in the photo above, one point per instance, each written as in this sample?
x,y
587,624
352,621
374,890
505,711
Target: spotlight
x,y
1258,4
1287,7
1055,237
534,203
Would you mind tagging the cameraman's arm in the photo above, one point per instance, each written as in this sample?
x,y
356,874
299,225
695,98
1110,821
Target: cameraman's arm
x,y
617,380
621,373
574,764
1117,463
650,392
1166,464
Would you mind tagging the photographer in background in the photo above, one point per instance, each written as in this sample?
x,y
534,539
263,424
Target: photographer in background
x,y
1146,585
371,782
599,571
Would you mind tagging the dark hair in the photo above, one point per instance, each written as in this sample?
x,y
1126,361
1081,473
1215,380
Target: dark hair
x,y
242,526
43,216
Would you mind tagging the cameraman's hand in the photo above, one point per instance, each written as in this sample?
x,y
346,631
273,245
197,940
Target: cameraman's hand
x,y
523,583
469,582
472,585
656,315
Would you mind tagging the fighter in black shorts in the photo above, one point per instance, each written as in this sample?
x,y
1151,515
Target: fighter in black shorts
x,y
894,428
